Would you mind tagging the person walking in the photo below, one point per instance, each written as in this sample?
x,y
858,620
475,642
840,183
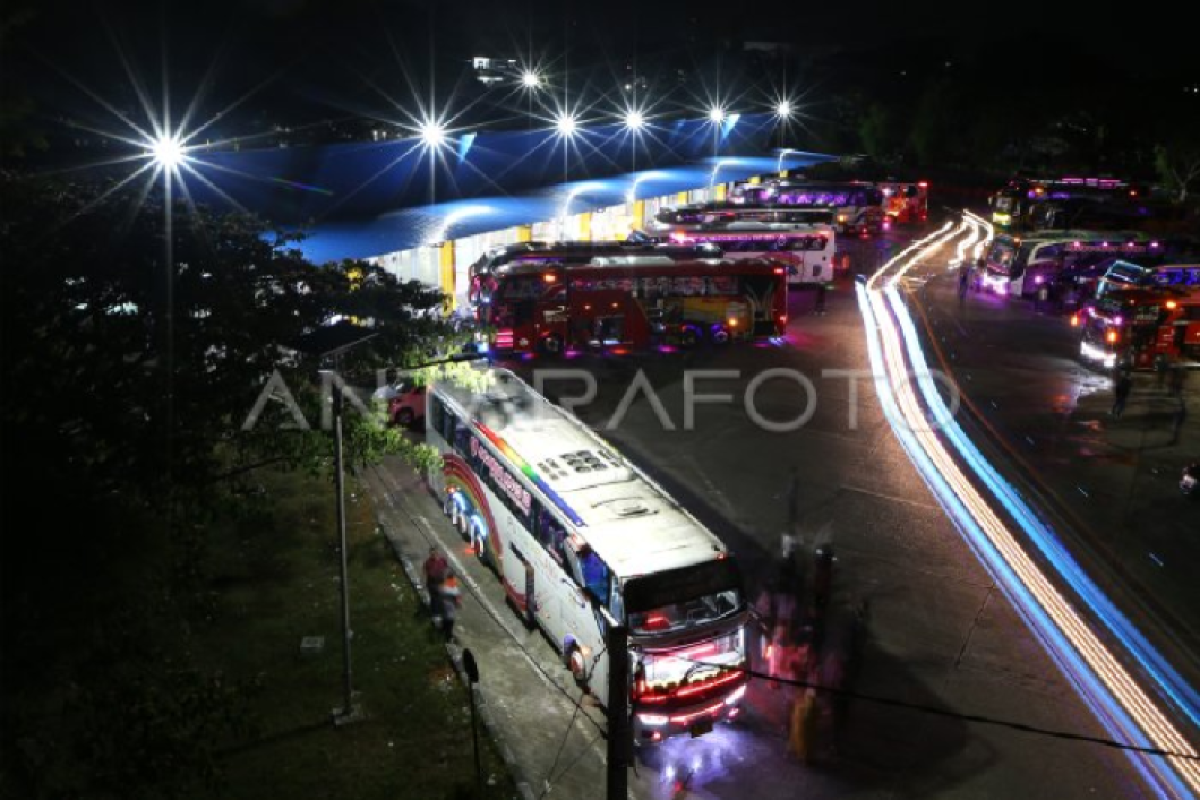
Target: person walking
x,y
1121,394
451,602
435,569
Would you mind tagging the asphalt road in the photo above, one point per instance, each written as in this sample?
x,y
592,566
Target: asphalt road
x,y
940,634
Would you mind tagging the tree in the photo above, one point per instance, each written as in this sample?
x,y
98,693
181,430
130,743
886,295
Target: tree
x,y
1178,165
129,367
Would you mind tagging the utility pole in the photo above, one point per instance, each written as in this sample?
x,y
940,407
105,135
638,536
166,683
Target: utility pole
x,y
619,743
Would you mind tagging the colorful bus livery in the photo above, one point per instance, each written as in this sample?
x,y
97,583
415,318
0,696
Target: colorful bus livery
x,y
857,205
580,537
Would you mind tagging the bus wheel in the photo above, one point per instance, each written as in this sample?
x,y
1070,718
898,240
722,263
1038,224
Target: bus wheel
x,y
552,345
577,665
688,337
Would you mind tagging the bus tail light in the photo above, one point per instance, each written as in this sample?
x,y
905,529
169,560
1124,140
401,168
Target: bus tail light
x,y
1075,320
783,319
779,270
733,322
1171,304
549,277
1111,337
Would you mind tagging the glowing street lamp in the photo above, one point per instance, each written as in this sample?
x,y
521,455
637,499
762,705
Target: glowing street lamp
x,y
433,134
530,79
716,114
634,120
167,152
783,109
566,125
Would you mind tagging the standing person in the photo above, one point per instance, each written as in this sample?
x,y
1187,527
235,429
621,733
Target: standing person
x,y
451,602
1121,394
964,281
435,569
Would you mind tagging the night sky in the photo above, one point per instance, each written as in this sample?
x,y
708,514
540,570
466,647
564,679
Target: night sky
x,y
321,58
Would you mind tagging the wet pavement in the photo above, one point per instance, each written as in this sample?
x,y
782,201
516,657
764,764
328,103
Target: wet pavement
x,y
939,634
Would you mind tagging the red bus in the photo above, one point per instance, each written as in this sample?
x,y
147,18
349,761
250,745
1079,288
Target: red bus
x,y
624,303
485,271
1135,326
905,203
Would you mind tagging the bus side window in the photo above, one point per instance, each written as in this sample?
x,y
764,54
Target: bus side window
x,y
437,414
462,440
449,426
595,575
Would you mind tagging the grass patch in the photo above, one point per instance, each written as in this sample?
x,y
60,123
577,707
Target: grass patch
x,y
276,581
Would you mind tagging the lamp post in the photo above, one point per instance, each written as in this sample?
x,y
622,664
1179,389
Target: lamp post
x,y
348,712
779,161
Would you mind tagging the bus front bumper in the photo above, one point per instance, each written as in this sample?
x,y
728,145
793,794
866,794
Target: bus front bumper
x,y
651,726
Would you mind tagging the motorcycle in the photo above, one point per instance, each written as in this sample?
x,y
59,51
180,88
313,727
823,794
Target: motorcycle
x,y
1189,484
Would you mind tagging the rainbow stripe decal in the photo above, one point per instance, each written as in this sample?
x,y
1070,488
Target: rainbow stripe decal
x,y
460,478
529,473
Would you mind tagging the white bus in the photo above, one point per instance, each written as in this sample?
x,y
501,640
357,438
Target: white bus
x,y
806,250
571,527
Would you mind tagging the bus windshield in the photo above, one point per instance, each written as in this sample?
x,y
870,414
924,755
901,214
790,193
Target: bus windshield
x,y
675,600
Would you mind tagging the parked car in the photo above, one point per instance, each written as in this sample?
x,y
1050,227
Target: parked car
x,y
407,405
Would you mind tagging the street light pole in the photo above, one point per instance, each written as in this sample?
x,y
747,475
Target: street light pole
x,y
347,713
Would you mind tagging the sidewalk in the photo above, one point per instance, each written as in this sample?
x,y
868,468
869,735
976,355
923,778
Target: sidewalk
x,y
551,739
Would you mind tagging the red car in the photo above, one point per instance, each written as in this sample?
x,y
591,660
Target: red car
x,y
407,406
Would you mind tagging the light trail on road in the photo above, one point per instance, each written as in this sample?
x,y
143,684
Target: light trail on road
x,y
1109,688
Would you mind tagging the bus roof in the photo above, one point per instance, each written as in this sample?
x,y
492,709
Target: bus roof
x,y
732,229
626,518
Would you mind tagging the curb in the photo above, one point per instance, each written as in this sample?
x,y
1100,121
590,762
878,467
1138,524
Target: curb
x,y
524,787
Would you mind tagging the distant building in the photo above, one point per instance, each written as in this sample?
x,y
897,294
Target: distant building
x,y
495,71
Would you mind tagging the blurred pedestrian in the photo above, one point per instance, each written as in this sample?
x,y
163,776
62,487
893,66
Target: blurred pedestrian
x,y
1121,394
1039,305
1160,370
1177,378
435,569
451,601
1179,419
820,307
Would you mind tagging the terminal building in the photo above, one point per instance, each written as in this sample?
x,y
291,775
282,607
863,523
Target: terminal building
x,y
428,212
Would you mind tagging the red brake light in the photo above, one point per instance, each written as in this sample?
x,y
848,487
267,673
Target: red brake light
x,y
549,277
923,184
778,270
656,622
1171,304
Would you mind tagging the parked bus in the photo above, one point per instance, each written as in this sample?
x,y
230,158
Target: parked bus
x,y
484,272
624,303
857,205
1135,325
724,213
1050,255
1009,256
580,537
1022,204
905,203
806,250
